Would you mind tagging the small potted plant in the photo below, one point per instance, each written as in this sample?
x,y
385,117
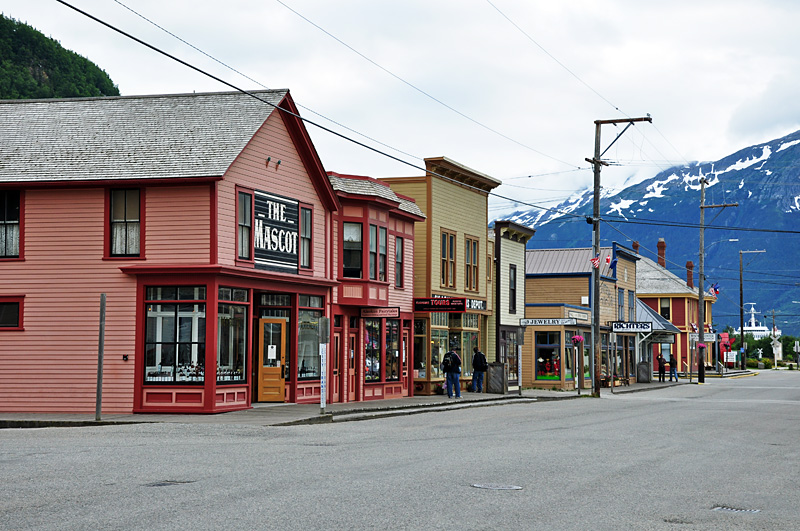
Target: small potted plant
x,y
576,340
438,388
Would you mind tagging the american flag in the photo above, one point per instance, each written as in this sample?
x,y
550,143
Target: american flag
x,y
595,261
694,327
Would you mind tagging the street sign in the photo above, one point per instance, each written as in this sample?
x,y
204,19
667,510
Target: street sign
x,y
548,322
708,337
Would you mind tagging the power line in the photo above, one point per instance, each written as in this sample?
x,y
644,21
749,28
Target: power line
x,y
261,84
426,94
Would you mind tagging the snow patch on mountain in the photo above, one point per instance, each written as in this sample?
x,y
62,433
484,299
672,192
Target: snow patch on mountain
x,y
623,204
787,145
742,164
656,188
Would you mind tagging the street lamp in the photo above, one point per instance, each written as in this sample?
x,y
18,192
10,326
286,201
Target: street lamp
x,y
741,306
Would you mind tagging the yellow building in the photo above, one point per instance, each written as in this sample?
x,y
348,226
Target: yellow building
x,y
558,308
453,258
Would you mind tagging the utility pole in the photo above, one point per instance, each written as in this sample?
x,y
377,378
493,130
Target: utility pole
x,y
598,164
701,304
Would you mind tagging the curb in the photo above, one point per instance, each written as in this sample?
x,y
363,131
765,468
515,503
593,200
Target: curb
x,y
29,424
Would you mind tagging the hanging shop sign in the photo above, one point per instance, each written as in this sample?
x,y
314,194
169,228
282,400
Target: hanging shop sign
x,y
632,327
380,312
707,337
440,304
275,232
547,322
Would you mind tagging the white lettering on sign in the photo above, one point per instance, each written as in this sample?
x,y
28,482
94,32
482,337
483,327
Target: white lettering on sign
x,y
547,322
643,327
273,239
476,304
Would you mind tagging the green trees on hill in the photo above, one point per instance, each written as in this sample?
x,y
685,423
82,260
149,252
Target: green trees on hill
x,y
35,66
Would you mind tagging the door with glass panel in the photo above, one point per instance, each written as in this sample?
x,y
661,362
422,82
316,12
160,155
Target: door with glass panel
x,y
271,360
335,380
351,367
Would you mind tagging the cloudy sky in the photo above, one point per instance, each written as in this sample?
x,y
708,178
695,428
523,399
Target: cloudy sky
x,y
508,88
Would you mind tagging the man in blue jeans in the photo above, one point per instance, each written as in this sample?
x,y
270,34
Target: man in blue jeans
x,y
673,368
451,364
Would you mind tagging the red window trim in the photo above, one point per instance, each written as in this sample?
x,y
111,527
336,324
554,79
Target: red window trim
x,y
21,256
300,269
107,225
244,262
20,299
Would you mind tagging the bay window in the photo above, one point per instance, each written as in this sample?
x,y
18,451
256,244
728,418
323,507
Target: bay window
x,y
351,255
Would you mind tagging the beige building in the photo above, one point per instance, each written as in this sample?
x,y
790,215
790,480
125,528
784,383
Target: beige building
x,y
453,258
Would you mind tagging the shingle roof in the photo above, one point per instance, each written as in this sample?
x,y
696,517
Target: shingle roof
x,y
652,278
132,137
562,261
371,187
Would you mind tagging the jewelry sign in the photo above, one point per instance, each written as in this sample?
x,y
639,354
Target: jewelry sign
x,y
275,232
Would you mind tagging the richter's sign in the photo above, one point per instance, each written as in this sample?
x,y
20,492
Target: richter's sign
x,y
622,327
275,232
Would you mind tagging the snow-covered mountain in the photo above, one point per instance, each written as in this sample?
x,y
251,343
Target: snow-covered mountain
x,y
765,182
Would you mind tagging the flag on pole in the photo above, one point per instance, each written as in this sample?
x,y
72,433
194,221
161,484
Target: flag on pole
x,y
715,288
608,260
595,261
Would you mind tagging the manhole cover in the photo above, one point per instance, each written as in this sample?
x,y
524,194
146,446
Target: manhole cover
x,y
495,486
734,510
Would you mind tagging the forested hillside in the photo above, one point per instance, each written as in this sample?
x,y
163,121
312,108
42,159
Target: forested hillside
x,y
35,66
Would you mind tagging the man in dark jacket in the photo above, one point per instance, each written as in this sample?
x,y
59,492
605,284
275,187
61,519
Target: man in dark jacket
x,y
661,366
479,366
452,368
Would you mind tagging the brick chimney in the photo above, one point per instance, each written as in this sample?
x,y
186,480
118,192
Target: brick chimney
x,y
690,274
662,247
635,247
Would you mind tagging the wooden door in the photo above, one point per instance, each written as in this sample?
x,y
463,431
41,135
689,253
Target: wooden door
x,y
404,353
351,367
271,360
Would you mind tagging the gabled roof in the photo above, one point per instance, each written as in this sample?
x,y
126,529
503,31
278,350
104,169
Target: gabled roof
x,y
353,185
131,137
565,261
645,314
652,278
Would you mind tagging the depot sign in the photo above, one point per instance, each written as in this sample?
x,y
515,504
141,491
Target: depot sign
x,y
275,232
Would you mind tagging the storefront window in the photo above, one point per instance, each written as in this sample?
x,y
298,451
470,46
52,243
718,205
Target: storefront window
x,y
372,350
175,334
392,350
308,360
420,348
231,335
511,359
587,352
604,364
468,341
438,348
548,354
569,353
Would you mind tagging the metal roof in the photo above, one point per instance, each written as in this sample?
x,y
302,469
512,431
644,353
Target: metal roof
x,y
645,314
565,261
131,137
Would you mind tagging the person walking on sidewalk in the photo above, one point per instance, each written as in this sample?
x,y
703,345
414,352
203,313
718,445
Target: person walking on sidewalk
x,y
661,363
479,367
673,367
451,365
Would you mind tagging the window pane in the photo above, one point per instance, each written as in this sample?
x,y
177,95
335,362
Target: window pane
x,y
231,342
392,350
352,232
175,339
118,205
9,315
132,246
132,205
373,350
308,362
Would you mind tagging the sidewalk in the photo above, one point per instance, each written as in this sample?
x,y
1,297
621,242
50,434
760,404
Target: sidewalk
x,y
294,414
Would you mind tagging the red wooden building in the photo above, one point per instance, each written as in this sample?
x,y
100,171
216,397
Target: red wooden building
x,y
209,223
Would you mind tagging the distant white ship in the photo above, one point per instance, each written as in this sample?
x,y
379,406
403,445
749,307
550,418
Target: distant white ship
x,y
754,327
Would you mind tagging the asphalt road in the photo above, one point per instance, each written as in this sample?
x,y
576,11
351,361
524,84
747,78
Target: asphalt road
x,y
663,459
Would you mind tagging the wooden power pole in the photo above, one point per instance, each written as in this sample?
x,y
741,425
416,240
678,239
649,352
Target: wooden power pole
x,y
598,164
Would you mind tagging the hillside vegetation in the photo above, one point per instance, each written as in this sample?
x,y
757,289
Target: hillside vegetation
x,y
35,66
